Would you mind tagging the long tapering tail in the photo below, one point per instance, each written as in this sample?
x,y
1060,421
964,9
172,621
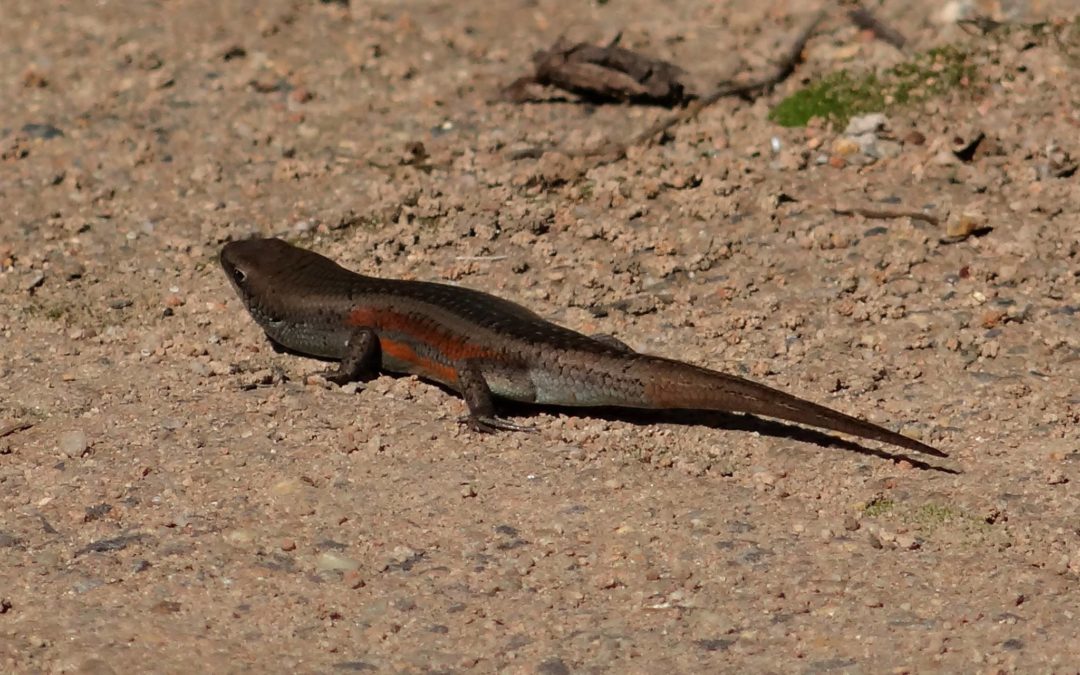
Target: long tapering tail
x,y
674,384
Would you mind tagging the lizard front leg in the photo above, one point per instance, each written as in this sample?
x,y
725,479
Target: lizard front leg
x,y
363,354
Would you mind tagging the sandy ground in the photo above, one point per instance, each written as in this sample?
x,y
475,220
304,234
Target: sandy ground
x,y
186,499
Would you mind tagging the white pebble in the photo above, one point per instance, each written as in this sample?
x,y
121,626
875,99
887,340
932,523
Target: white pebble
x,y
73,443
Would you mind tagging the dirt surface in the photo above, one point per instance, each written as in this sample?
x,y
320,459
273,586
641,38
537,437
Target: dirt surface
x,y
182,498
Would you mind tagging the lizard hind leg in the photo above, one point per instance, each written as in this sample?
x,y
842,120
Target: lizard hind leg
x,y
477,394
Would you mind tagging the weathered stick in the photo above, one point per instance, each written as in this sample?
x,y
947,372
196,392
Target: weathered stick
x,y
886,214
867,20
751,90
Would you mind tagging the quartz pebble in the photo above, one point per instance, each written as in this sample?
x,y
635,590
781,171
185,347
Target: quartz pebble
x,y
73,443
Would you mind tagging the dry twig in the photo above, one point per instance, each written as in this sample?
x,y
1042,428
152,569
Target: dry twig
x,y
865,19
886,214
604,74
614,152
14,428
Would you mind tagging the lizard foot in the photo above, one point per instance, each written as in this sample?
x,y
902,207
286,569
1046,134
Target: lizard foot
x,y
488,425
336,377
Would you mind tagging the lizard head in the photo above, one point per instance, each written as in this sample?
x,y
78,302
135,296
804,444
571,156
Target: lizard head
x,y
267,272
251,265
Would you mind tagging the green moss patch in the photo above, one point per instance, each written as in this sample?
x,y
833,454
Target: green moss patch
x,y
840,95
878,506
932,516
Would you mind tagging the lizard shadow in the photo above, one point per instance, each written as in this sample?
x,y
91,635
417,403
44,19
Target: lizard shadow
x,y
707,418
720,420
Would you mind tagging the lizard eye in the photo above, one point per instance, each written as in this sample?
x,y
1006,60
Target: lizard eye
x,y
239,275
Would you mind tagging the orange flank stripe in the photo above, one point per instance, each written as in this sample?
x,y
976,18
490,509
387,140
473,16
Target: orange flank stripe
x,y
433,369
453,348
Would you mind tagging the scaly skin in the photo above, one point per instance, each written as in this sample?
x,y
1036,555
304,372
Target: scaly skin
x,y
484,346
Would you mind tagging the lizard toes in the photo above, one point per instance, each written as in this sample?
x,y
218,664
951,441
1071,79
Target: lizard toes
x,y
487,424
334,376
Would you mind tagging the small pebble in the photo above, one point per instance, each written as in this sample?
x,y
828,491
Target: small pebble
x,y
1056,477
166,607
914,137
72,269
1073,562
86,585
868,145
376,444
963,226
553,666
34,79
352,387
43,131
240,537
260,378
865,124
73,443
844,147
765,478
907,542
34,279
331,562
403,554
284,488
